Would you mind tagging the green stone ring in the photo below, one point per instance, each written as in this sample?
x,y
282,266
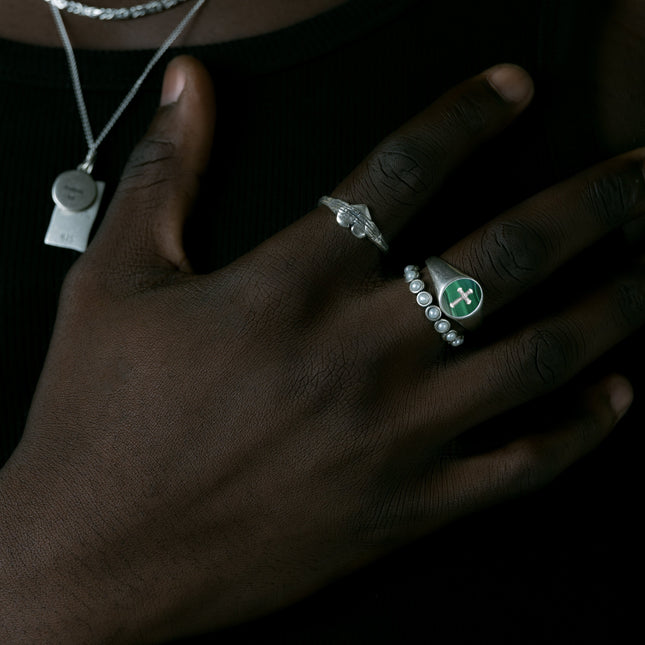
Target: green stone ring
x,y
459,296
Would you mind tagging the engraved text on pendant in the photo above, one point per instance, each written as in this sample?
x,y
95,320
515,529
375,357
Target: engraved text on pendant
x,y
74,190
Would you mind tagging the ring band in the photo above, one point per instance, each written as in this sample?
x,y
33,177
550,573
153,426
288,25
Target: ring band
x,y
355,217
459,296
432,312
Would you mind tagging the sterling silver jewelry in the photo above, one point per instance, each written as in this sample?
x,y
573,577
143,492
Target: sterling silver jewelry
x,y
433,313
76,194
128,13
355,217
459,296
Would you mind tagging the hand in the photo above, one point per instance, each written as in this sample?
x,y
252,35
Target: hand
x,y
203,449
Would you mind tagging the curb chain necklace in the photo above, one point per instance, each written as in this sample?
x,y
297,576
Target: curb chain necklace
x,y
76,194
138,11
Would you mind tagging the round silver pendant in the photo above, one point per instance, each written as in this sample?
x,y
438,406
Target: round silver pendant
x,y
74,190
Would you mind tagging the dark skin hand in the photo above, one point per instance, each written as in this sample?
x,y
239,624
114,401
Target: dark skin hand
x,y
204,449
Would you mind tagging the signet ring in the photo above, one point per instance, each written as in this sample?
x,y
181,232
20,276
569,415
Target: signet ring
x,y
459,296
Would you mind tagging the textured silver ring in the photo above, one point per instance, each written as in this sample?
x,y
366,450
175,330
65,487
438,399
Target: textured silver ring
x,y
355,217
459,296
433,313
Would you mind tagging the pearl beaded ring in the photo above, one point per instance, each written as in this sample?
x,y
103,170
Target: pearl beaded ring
x,y
433,313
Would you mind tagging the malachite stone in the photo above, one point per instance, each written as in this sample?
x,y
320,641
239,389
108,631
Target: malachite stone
x,y
461,298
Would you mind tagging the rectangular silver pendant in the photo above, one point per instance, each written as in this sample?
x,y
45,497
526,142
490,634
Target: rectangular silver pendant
x,y
71,230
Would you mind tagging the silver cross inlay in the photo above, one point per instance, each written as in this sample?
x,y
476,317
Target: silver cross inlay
x,y
463,295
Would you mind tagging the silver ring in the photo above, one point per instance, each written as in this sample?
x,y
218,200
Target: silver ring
x,y
355,217
459,296
432,312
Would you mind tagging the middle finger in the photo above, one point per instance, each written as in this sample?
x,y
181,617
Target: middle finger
x,y
524,246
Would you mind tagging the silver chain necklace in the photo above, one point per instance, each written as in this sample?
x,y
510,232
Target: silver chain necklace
x,y
77,196
106,13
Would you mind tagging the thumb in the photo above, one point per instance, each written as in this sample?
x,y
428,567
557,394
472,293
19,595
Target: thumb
x,y
144,223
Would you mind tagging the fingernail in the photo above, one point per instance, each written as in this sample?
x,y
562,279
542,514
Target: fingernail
x,y
511,82
621,395
174,81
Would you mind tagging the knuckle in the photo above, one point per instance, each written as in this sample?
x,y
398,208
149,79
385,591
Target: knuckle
x,y
408,166
589,431
401,170
610,197
543,358
527,469
514,251
629,301
467,116
152,162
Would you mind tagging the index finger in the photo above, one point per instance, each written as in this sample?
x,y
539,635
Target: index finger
x,y
401,174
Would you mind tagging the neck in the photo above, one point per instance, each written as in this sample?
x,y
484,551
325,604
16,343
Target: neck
x,y
30,21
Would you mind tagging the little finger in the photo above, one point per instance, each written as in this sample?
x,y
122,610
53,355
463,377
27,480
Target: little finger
x,y
532,461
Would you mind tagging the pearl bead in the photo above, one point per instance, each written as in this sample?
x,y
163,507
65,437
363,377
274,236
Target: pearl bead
x,y
416,286
433,313
424,298
442,326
